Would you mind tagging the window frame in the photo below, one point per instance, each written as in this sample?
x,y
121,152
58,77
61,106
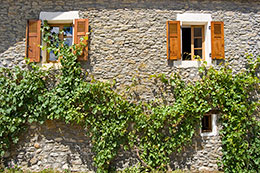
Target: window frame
x,y
67,17
203,19
214,127
192,42
209,123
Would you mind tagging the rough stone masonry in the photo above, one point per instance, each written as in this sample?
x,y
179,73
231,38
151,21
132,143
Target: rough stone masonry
x,y
127,38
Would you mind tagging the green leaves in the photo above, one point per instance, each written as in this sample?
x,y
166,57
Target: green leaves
x,y
154,131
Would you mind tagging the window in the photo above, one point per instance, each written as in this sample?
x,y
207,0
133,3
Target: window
x,y
206,123
194,36
209,124
66,36
68,21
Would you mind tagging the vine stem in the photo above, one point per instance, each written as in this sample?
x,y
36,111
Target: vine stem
x,y
138,155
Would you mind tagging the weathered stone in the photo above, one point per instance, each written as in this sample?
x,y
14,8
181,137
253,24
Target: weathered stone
x,y
54,154
58,139
37,145
65,166
33,160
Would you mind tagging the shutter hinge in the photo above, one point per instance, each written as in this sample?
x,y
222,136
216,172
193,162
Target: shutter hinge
x,y
210,55
209,27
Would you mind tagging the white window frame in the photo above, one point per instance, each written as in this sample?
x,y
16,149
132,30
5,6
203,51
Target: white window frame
x,y
196,19
56,18
214,126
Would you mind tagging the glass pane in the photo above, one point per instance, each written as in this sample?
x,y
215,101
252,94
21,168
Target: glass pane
x,y
198,43
52,57
206,123
68,41
55,30
68,30
186,43
197,32
197,54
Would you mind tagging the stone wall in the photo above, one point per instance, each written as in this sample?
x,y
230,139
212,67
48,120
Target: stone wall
x,y
127,39
61,146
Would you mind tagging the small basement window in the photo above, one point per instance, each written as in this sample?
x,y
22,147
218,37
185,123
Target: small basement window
x,y
193,42
206,123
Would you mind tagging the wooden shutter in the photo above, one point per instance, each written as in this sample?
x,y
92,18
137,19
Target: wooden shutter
x,y
217,40
81,30
173,40
33,40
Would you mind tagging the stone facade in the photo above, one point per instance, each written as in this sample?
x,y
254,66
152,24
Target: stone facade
x,y
127,39
61,146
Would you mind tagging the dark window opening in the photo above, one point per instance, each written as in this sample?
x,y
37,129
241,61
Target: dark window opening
x,y
186,43
207,123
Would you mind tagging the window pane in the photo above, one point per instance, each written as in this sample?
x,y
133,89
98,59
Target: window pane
x,y
197,32
186,43
68,41
206,123
52,57
198,53
68,30
55,30
198,43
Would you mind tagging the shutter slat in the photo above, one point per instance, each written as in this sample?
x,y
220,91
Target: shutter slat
x,y
81,30
173,40
217,40
33,40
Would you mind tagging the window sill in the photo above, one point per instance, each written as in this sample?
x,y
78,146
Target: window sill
x,y
188,64
50,65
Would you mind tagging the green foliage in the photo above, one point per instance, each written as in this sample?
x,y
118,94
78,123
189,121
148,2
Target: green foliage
x,y
153,130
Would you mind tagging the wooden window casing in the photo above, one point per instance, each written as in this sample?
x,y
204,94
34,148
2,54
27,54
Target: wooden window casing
x,y
193,37
197,42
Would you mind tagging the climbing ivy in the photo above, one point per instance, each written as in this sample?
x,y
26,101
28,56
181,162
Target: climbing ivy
x,y
153,130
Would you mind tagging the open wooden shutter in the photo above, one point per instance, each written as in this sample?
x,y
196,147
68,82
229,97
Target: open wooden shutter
x,y
33,40
217,40
81,30
173,40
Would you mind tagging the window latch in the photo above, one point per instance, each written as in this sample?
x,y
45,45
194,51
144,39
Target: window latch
x,y
209,27
210,55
